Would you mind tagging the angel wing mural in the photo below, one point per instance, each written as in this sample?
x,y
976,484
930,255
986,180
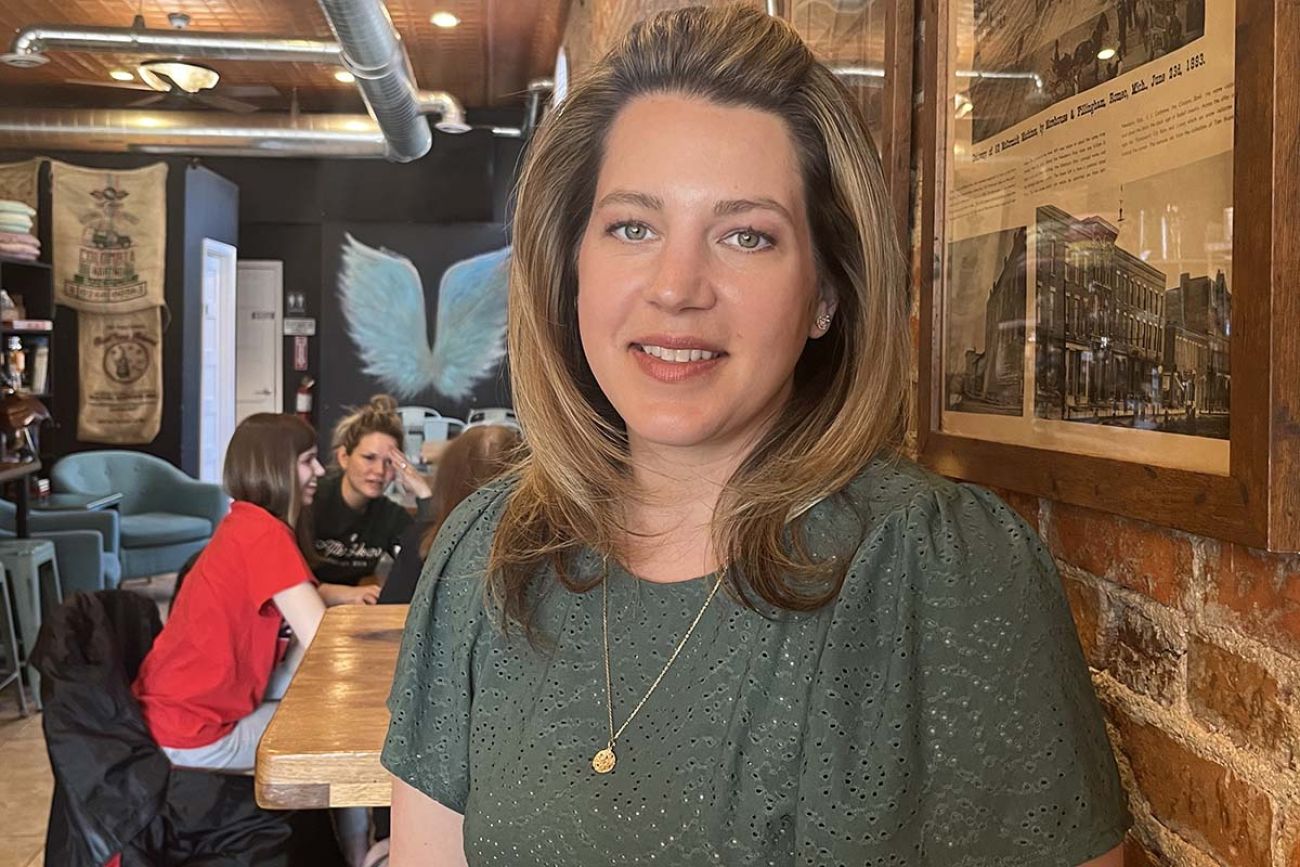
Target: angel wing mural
x,y
383,304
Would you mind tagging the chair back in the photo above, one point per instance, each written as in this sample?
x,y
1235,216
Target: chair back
x,y
115,792
495,415
421,424
138,477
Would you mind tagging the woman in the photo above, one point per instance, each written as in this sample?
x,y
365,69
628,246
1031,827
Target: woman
x,y
708,343
213,678
203,687
356,525
469,462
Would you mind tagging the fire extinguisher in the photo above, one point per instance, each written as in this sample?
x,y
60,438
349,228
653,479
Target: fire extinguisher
x,y
303,404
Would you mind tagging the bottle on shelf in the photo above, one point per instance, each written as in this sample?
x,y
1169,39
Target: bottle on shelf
x,y
16,363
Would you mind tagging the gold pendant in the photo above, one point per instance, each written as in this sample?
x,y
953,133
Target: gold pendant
x,y
603,761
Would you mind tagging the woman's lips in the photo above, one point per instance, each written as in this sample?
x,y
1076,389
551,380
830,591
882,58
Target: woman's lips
x,y
672,372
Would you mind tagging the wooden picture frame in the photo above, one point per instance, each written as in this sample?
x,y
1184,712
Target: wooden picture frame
x,y
870,47
1257,502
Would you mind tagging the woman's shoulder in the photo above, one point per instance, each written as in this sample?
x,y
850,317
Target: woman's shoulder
x,y
466,535
247,523
912,515
893,486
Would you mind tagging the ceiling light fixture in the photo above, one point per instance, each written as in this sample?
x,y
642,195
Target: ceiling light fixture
x,y
444,19
121,75
344,76
1106,54
189,77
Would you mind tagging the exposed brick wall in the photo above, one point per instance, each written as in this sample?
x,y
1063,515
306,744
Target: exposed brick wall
x,y
1195,650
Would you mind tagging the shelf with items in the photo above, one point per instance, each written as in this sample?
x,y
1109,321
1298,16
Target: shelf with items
x,y
27,362
26,263
27,328
30,285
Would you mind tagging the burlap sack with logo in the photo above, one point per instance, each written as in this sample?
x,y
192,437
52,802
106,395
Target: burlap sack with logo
x,y
18,181
121,376
110,237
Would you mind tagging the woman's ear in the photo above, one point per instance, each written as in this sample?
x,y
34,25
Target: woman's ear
x,y
341,457
824,316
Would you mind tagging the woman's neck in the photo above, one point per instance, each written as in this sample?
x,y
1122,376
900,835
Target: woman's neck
x,y
355,500
670,519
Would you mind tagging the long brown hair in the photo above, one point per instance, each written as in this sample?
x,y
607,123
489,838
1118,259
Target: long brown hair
x,y
262,468
378,415
473,459
851,387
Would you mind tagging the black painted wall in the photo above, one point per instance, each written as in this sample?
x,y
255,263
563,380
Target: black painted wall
x,y
451,204
443,208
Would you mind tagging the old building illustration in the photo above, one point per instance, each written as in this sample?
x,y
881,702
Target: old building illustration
x,y
990,378
1114,345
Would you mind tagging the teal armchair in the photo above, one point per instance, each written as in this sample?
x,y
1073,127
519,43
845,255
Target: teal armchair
x,y
85,545
165,516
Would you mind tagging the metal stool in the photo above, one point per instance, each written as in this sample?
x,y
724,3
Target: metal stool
x,y
36,592
9,637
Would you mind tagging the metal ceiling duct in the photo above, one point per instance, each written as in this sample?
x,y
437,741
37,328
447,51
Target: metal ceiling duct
x,y
192,132
373,52
32,42
368,46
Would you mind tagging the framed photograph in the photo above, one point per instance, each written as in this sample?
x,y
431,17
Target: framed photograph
x,y
1106,316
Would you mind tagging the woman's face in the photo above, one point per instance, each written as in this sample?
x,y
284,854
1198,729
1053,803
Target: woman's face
x,y
309,470
367,470
697,288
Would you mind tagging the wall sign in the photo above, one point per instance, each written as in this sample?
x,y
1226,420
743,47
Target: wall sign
x,y
299,327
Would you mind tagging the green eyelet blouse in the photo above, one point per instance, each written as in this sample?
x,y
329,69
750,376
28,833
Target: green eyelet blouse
x,y
938,712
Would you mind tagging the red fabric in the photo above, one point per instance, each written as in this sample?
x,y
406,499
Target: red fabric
x,y
115,861
211,663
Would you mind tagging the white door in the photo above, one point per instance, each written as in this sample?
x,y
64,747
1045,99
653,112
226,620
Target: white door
x,y
258,341
217,351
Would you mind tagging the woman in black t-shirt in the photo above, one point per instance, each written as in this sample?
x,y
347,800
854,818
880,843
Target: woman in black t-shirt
x,y
355,524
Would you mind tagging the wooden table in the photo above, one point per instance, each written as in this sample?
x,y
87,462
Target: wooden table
x,y
322,746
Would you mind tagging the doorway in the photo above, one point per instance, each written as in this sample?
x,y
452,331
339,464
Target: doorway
x,y
259,346
217,353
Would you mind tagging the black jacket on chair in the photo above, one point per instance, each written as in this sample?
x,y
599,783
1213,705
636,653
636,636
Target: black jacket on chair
x,y
115,792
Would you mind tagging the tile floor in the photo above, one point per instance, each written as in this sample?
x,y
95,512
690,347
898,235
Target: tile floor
x,y
27,785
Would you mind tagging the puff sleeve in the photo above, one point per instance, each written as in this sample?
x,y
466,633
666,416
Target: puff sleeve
x,y
955,719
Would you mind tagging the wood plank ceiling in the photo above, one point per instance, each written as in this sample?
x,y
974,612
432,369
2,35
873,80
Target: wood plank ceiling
x,y
486,61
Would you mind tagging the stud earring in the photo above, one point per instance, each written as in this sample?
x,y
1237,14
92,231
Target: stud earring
x,y
824,322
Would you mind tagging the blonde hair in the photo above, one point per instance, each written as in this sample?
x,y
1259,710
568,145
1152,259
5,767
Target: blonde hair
x,y
851,387
379,415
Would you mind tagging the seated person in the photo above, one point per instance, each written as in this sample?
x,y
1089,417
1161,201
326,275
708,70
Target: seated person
x,y
212,680
355,525
469,462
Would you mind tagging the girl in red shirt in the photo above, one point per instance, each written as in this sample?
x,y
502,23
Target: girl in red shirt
x,y
246,614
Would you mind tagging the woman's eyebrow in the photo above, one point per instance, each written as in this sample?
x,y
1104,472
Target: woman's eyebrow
x,y
729,207
630,197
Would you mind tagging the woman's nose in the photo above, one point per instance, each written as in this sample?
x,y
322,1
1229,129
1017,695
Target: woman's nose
x,y
682,278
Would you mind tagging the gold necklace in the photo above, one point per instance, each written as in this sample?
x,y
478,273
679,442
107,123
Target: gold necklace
x,y
603,761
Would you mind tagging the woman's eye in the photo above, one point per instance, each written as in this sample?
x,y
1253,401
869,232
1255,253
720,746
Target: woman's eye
x,y
749,239
630,231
